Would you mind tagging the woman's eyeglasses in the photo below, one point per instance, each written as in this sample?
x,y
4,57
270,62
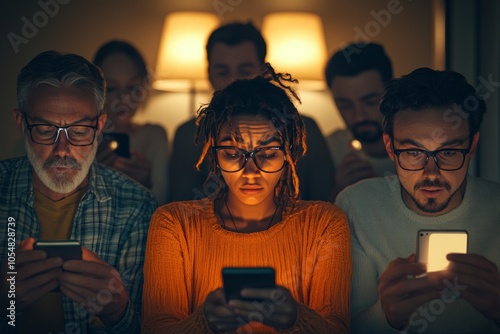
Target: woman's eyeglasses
x,y
270,159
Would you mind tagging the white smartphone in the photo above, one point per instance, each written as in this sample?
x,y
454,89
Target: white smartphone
x,y
434,245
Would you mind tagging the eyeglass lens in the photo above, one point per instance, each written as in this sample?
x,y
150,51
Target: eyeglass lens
x,y
46,134
266,159
447,159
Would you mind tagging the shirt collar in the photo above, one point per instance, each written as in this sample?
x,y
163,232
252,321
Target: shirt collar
x,y
23,185
97,185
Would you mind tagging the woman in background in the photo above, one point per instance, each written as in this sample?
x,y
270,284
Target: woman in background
x,y
127,86
254,137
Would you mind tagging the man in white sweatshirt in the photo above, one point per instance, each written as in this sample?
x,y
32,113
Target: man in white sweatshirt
x,y
431,131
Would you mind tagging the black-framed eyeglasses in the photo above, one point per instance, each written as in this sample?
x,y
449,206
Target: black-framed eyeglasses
x,y
270,159
48,134
447,159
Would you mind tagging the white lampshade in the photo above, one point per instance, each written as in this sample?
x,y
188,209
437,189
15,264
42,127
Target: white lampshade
x,y
181,63
296,44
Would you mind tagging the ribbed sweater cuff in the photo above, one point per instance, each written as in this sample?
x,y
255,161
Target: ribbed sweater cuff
x,y
308,321
201,321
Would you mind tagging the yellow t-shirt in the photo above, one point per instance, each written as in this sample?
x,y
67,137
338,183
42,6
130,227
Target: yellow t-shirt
x,y
56,221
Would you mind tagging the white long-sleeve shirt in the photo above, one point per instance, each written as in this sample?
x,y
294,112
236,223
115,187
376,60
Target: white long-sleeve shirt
x,y
383,229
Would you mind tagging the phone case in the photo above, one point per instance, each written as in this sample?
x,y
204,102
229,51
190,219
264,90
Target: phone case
x,y
66,249
434,245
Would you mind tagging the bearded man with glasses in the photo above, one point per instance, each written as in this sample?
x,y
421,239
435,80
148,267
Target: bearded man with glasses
x,y
58,192
431,132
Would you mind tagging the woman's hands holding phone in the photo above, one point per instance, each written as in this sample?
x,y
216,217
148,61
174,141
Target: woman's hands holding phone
x,y
274,307
219,315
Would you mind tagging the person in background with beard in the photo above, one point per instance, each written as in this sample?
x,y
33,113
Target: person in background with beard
x,y
355,76
59,192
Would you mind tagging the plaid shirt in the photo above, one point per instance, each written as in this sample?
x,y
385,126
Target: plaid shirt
x,y
112,220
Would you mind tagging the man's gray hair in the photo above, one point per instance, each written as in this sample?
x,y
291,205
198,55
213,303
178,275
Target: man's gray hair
x,y
60,70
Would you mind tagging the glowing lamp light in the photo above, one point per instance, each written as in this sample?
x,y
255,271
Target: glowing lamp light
x,y
181,64
296,44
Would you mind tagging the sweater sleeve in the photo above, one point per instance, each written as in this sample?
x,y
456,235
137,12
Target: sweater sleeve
x,y
166,306
309,321
326,308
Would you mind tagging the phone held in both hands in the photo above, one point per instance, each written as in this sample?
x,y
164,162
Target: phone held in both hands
x,y
119,143
434,245
237,278
65,249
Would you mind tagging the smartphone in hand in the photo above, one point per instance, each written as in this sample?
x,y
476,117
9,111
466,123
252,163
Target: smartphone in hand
x,y
66,249
119,143
237,278
434,245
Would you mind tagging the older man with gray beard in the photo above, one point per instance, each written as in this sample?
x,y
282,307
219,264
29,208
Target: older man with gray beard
x,y
57,192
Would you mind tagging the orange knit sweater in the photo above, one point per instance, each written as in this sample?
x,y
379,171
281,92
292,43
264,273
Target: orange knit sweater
x,y
187,249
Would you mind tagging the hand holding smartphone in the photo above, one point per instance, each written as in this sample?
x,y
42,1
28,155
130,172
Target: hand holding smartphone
x,y
237,278
119,143
434,245
66,249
